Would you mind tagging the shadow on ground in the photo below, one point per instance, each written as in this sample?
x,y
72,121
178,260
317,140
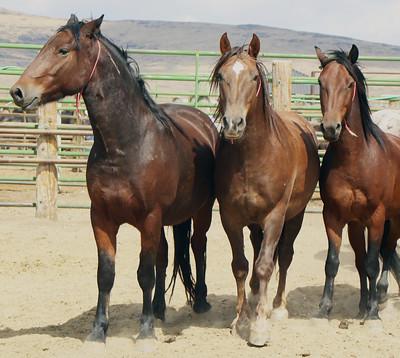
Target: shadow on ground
x,y
124,320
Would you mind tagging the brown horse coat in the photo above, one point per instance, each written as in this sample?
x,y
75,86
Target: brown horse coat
x,y
266,171
150,165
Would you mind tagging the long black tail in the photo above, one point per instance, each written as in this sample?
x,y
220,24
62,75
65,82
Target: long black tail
x,y
182,267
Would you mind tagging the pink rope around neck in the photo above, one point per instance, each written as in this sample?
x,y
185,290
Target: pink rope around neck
x,y
258,89
345,120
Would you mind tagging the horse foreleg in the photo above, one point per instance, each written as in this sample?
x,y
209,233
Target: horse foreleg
x,y
272,225
357,242
334,229
105,235
161,267
240,269
285,256
150,239
256,237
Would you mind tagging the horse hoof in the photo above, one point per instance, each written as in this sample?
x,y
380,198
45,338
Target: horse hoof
x,y
279,314
324,311
240,327
201,306
97,335
259,333
146,330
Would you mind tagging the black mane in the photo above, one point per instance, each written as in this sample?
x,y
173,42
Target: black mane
x,y
369,127
131,66
262,72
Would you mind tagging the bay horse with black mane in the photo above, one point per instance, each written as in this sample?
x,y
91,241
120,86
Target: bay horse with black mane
x,y
150,165
267,168
359,182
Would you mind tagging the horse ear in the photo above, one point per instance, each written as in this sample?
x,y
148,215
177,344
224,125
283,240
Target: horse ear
x,y
254,47
353,54
321,56
72,20
92,27
224,43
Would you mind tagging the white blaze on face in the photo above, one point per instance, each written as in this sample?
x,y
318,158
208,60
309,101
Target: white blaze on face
x,y
238,67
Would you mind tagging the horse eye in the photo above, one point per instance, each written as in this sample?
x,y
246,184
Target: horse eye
x,y
63,51
255,78
219,77
351,85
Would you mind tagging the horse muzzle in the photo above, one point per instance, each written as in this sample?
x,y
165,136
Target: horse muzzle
x,y
233,129
331,132
22,99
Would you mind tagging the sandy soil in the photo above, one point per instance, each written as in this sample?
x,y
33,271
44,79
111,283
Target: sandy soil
x,y
48,280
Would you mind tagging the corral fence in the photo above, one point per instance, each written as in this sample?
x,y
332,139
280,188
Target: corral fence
x,y
55,141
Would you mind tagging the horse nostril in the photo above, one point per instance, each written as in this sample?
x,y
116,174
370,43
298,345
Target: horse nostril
x,y
240,121
17,94
322,127
224,121
338,126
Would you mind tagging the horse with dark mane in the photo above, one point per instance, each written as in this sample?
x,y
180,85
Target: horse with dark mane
x,y
267,168
151,165
359,182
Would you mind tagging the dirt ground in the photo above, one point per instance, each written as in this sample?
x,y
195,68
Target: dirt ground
x,y
49,292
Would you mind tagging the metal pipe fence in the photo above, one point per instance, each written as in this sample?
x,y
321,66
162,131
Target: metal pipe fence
x,y
18,140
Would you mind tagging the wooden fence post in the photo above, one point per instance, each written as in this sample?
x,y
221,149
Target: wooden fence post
x,y
46,174
281,85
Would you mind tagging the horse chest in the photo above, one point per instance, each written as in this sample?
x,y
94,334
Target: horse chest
x,y
252,196
350,200
113,191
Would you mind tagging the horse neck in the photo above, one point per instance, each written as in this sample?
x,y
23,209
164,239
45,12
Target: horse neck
x,y
117,111
349,145
260,126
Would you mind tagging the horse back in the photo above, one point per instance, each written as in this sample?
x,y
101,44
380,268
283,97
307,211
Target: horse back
x,y
193,125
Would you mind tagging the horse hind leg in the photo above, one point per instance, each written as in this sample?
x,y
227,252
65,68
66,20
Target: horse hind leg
x,y
357,242
375,234
395,268
201,224
395,261
161,267
390,258
105,235
285,253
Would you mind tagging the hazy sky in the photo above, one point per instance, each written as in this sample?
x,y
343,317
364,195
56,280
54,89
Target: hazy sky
x,y
371,20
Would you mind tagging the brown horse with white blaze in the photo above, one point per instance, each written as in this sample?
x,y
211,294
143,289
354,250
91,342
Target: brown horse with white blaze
x,y
151,165
267,168
359,182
